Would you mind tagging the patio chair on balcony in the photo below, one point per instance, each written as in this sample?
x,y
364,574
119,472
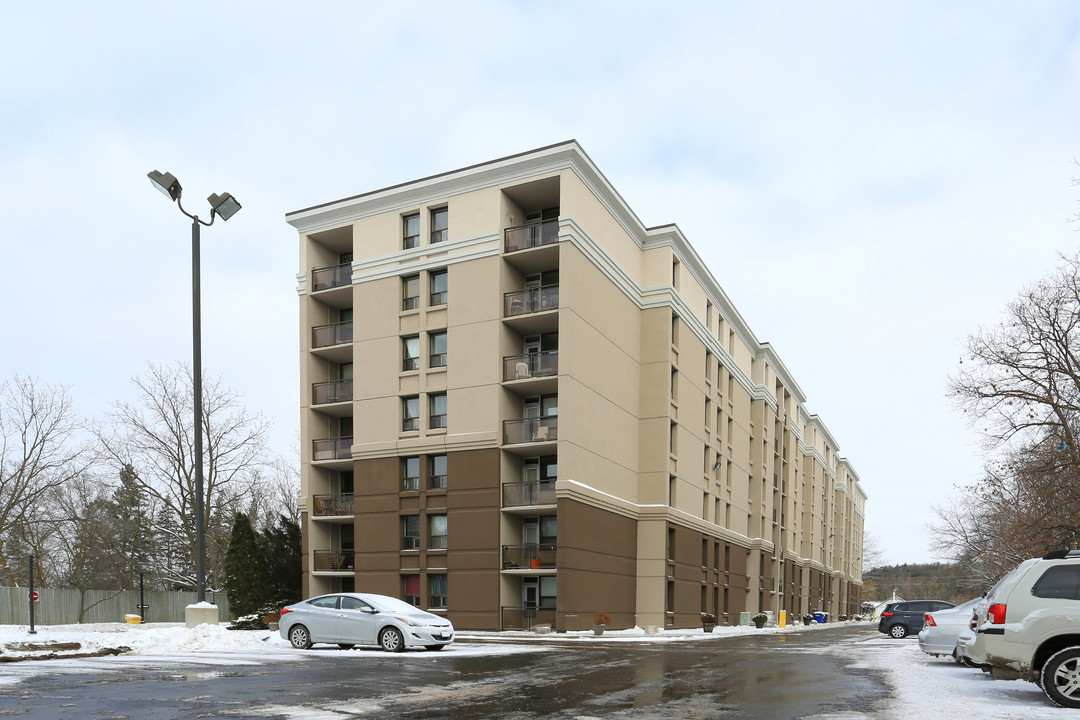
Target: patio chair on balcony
x,y
541,434
521,370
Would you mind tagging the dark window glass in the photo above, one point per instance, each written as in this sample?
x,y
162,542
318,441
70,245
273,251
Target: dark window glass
x,y
1059,581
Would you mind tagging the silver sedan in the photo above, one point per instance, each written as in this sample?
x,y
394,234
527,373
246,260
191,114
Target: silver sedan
x,y
348,619
941,628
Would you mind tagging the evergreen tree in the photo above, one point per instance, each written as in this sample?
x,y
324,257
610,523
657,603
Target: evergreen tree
x,y
281,550
245,575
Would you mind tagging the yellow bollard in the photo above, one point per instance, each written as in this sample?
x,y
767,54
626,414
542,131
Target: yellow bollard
x,y
782,621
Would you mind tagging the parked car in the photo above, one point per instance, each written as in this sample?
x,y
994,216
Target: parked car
x,y
348,619
1027,626
941,628
900,619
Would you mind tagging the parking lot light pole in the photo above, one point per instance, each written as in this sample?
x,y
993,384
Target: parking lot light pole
x,y
225,206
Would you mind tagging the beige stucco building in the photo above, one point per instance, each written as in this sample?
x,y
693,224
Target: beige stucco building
x,y
522,406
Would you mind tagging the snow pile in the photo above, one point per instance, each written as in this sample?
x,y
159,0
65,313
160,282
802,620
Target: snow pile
x,y
929,688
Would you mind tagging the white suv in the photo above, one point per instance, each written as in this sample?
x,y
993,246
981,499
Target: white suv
x,y
1028,626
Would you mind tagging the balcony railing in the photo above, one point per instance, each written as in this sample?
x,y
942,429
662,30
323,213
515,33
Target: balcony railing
x,y
532,556
339,448
534,234
523,302
528,493
543,429
331,392
330,335
526,618
335,560
331,277
520,367
333,505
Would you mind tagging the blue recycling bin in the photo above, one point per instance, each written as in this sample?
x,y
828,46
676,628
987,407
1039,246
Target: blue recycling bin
x,y
820,617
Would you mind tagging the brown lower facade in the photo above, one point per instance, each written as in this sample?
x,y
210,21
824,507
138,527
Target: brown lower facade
x,y
499,556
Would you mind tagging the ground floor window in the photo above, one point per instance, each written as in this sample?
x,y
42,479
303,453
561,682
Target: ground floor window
x,y
438,591
412,589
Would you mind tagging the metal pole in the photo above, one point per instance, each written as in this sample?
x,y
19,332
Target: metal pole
x,y
196,361
142,600
30,597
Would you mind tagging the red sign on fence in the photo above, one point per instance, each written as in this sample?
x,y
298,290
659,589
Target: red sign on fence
x,y
34,596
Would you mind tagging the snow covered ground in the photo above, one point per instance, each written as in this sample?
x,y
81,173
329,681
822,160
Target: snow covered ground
x,y
925,688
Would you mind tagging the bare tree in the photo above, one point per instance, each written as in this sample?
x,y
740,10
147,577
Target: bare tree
x,y
38,452
154,435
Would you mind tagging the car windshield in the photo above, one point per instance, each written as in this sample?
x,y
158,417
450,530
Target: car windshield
x,y
389,604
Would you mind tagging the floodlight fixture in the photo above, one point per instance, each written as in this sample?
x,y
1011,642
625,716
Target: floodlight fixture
x,y
223,205
166,183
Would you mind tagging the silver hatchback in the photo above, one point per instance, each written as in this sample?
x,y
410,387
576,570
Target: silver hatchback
x,y
349,619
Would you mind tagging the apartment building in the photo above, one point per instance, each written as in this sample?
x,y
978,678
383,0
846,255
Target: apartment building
x,y
521,406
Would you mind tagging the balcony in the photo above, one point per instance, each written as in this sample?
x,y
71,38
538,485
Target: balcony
x,y
532,235
530,300
339,505
526,618
331,277
533,365
530,557
334,391
531,430
528,493
335,560
323,336
339,448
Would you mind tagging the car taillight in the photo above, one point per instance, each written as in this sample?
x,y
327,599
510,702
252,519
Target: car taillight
x,y
996,614
929,620
285,610
886,614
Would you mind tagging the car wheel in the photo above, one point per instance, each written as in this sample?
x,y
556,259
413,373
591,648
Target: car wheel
x,y
345,646
391,640
299,637
898,631
435,647
1061,677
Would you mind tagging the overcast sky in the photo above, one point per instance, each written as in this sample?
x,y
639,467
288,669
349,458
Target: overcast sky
x,y
869,182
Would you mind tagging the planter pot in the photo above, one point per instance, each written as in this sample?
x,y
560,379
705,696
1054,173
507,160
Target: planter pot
x,y
598,629
708,627
759,623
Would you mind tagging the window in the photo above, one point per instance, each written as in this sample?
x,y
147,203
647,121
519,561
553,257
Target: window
x,y
411,589
437,410
410,231
410,527
437,472
437,588
410,413
439,220
410,473
548,591
410,352
410,292
438,281
437,346
1059,581
437,532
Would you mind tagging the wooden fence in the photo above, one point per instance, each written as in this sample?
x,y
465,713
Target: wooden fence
x,y
68,607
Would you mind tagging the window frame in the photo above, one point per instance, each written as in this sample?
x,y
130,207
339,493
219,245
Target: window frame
x,y
410,241
437,359
438,297
437,420
410,302
410,483
436,480
410,422
437,541
410,541
436,599
410,362
439,233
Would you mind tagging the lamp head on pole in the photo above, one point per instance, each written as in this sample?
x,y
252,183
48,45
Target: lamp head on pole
x,y
223,205
166,183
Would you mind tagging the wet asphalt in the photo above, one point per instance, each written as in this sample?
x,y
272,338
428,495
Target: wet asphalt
x,y
766,677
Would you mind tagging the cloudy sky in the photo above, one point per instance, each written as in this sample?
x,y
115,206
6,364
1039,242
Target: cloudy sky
x,y
869,182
